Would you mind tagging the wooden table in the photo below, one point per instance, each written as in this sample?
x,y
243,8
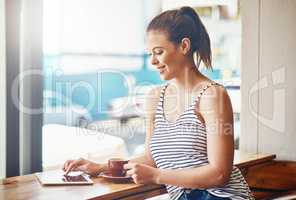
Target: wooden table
x,y
28,187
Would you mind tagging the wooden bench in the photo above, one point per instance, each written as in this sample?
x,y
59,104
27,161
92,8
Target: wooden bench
x,y
272,179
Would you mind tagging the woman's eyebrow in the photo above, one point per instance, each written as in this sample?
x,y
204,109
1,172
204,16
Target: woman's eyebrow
x,y
156,47
147,50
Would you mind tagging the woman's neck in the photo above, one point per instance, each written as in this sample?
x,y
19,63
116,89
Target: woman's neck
x,y
189,78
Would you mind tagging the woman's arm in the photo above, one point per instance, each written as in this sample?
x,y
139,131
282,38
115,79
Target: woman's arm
x,y
146,159
216,110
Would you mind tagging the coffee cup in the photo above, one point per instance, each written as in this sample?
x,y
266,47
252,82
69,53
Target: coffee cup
x,y
115,166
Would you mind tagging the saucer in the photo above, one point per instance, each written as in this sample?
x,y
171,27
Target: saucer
x,y
108,176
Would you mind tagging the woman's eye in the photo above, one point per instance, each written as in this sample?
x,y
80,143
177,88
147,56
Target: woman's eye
x,y
158,52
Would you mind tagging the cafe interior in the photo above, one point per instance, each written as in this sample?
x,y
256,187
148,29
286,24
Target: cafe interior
x,y
73,81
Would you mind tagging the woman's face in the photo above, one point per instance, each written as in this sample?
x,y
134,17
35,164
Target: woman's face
x,y
165,55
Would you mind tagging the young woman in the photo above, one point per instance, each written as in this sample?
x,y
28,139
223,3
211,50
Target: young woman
x,y
189,139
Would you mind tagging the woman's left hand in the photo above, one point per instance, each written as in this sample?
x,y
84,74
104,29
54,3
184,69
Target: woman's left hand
x,y
142,174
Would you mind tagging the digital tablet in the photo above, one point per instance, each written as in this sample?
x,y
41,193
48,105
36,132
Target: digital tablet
x,y
57,177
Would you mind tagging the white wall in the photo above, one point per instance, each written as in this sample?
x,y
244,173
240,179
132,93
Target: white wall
x,y
2,90
268,77
249,74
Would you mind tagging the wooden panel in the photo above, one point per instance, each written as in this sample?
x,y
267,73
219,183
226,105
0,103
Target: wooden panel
x,y
262,194
286,195
145,195
275,175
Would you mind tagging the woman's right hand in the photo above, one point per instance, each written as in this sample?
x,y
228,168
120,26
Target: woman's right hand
x,y
81,164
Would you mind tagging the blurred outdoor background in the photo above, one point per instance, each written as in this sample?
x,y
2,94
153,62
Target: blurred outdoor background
x,y
97,71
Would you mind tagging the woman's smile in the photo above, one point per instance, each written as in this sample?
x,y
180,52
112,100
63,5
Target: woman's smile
x,y
161,69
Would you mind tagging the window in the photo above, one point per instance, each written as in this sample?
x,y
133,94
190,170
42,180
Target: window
x,y
93,57
94,63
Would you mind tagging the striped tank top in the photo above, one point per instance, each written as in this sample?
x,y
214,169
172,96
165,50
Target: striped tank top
x,y
183,144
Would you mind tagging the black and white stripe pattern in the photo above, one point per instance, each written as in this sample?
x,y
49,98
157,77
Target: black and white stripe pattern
x,y
182,144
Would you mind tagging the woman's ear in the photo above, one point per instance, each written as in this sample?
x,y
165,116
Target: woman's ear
x,y
185,46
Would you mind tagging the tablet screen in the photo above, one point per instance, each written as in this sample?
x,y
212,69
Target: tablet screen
x,y
57,177
78,178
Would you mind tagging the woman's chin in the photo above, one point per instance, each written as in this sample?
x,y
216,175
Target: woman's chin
x,y
165,77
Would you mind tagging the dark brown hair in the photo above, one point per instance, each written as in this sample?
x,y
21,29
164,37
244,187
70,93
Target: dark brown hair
x,y
181,23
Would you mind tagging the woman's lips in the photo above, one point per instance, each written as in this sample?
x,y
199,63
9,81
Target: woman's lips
x,y
161,69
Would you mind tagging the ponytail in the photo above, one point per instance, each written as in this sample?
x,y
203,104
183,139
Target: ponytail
x,y
202,45
182,23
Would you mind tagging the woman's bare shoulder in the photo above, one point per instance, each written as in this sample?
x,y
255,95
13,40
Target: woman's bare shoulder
x,y
215,101
213,93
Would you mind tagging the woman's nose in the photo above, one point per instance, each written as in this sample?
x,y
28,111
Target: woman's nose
x,y
153,60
